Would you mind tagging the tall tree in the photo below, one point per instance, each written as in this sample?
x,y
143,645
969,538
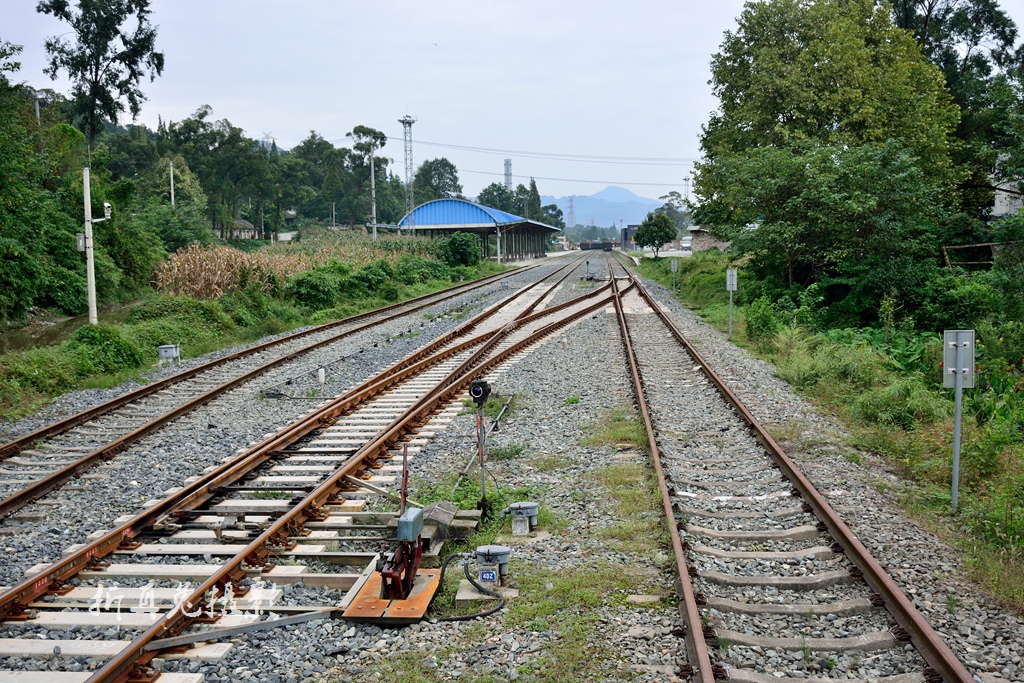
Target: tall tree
x,y
366,141
498,197
105,62
437,179
654,232
829,162
973,43
835,72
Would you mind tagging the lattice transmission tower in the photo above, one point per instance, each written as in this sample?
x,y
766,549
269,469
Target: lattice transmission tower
x,y
508,174
407,122
570,218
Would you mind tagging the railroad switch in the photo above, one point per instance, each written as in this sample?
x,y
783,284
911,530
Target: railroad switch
x,y
398,592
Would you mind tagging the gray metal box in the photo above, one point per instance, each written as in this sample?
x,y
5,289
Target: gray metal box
x,y
410,524
949,341
167,351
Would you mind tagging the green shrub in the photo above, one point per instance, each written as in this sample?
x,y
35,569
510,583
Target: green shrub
x,y
315,289
905,403
762,320
460,249
109,349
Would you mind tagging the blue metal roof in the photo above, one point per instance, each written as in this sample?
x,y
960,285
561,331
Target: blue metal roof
x,y
457,212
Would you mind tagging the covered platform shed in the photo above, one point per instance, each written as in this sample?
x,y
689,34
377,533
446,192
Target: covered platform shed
x,y
503,235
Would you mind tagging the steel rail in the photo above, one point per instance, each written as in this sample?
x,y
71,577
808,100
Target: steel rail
x,y
135,655
59,427
698,656
32,492
932,648
15,600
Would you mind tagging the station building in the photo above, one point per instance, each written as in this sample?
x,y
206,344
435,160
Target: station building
x,y
503,236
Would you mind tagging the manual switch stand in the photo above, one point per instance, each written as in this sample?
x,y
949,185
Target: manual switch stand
x,y
399,571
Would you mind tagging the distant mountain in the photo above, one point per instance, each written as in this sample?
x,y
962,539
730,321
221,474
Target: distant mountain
x,y
606,207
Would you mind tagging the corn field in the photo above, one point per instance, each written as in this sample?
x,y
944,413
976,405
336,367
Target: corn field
x,y
211,272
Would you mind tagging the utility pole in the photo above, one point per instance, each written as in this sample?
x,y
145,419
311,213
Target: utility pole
x,y
172,182
686,186
373,195
410,195
332,214
90,269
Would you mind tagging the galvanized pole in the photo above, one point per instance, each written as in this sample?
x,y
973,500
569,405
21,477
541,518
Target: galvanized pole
x,y
90,271
730,314
480,435
497,229
172,182
958,389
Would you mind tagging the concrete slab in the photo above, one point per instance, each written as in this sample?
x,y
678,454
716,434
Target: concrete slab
x,y
798,533
844,608
124,619
100,649
80,677
882,640
467,592
818,552
823,580
749,676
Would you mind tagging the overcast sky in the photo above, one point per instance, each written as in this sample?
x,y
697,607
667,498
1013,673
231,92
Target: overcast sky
x,y
560,77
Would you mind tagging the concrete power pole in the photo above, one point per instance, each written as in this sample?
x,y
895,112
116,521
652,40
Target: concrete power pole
x,y
172,182
508,174
373,196
410,195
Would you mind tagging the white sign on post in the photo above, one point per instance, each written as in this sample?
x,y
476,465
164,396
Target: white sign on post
x,y
949,359
730,280
958,374
675,265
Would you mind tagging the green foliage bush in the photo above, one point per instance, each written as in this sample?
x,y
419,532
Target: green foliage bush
x,y
762,320
109,348
906,402
459,249
315,289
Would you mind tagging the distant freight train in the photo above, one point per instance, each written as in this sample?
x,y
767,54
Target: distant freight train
x,y
597,245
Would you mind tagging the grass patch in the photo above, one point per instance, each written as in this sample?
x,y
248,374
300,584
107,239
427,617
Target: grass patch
x,y
572,400
633,489
549,463
618,426
495,402
506,452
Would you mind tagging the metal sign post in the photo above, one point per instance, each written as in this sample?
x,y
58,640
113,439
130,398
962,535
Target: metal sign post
x,y
675,267
958,374
730,284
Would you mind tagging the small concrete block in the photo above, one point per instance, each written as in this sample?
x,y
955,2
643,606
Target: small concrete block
x,y
532,537
643,599
520,526
468,592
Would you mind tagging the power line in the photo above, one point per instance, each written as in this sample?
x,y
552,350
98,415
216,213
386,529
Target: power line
x,y
574,180
589,158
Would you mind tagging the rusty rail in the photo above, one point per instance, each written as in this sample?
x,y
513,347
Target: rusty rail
x,y
41,487
697,649
20,443
936,653
135,657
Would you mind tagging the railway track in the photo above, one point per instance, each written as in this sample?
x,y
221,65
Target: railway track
x,y
768,572
298,496
39,462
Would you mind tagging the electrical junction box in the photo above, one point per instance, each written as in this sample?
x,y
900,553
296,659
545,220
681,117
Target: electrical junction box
x,y
168,351
410,525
